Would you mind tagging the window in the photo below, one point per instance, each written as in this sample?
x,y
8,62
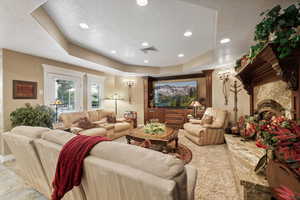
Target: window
x,y
65,92
64,85
95,95
95,91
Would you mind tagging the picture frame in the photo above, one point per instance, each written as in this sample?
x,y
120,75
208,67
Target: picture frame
x,y
24,89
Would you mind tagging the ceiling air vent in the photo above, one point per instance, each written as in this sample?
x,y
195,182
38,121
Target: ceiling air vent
x,y
147,49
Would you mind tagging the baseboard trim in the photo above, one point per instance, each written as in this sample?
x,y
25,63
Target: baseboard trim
x,y
6,158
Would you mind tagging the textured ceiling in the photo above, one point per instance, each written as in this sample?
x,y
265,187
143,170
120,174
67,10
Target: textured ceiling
x,y
122,25
236,19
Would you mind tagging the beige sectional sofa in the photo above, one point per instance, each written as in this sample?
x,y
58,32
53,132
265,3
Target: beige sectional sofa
x,y
207,134
112,171
110,130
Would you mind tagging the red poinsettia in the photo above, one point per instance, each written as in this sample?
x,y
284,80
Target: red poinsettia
x,y
283,136
260,145
284,193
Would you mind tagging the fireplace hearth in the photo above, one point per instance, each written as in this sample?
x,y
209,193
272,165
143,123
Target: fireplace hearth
x,y
269,108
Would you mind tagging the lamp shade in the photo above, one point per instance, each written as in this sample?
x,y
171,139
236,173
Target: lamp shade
x,y
195,104
57,102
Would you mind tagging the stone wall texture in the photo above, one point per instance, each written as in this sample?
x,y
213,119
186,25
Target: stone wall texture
x,y
276,91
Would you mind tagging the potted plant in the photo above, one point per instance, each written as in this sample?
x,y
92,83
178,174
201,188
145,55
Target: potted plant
x,y
38,115
279,27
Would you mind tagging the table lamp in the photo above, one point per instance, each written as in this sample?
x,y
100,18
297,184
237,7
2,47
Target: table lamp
x,y
195,105
57,103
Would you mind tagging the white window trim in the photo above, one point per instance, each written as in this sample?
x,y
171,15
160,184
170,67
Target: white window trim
x,y
50,70
91,78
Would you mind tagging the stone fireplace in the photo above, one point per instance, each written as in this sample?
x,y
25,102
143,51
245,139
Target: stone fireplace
x,y
274,98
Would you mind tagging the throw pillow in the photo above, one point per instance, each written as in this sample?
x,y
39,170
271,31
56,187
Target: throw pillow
x,y
84,123
111,119
207,119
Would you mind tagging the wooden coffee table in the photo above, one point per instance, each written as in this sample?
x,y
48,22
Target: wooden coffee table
x,y
160,140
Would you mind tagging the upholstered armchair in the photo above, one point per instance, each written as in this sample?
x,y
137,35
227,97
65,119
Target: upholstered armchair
x,y
206,134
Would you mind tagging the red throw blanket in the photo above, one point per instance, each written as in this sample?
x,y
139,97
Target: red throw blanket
x,y
70,163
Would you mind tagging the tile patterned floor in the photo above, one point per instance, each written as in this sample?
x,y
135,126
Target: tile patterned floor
x,y
13,188
215,177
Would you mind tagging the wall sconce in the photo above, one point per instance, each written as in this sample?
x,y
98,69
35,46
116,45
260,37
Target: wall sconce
x,y
224,76
130,84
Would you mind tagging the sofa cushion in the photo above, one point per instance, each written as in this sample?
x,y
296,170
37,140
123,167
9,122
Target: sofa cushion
x,y
30,131
194,129
107,126
105,113
93,115
207,119
69,118
94,132
165,166
121,126
219,117
102,121
84,123
57,136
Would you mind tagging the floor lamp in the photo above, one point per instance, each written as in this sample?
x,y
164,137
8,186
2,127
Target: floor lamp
x,y
116,97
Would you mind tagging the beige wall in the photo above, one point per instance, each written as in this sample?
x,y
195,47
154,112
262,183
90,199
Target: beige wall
x,y
1,92
218,97
19,66
117,84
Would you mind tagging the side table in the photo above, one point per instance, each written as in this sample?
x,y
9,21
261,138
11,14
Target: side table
x,y
131,116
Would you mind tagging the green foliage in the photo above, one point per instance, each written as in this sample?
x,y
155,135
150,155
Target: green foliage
x,y
33,116
279,27
154,128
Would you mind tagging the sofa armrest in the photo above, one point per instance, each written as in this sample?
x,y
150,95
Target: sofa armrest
x,y
121,120
192,174
213,125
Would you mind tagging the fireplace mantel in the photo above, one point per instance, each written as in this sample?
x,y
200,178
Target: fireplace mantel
x,y
267,67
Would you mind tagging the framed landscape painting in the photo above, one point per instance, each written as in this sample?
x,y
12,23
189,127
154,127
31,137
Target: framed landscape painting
x,y
176,94
24,89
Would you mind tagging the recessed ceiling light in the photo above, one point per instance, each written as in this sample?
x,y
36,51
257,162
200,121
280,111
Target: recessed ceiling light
x,y
188,34
113,51
84,26
142,2
180,55
146,61
225,40
145,44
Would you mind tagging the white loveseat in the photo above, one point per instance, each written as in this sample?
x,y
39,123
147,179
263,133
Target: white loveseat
x,y
113,170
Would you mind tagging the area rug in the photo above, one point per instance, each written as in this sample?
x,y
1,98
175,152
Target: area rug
x,y
182,152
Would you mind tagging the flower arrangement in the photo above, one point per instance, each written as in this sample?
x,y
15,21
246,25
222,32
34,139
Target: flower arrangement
x,y
248,126
154,128
281,135
284,193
